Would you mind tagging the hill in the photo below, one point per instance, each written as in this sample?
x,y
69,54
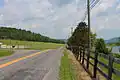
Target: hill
x,y
19,34
113,40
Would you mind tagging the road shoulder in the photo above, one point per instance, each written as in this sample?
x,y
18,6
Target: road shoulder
x,y
71,69
80,71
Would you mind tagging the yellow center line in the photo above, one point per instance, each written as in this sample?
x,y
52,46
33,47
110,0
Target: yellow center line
x,y
19,59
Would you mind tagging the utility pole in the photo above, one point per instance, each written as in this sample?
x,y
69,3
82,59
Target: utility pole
x,y
71,31
10,41
88,10
71,35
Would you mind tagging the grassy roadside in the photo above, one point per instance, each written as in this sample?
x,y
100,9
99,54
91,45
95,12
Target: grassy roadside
x,y
66,68
33,45
71,69
5,53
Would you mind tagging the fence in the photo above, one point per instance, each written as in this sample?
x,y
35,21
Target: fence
x,y
111,70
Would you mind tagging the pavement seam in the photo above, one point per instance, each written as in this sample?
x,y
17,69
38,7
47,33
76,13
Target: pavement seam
x,y
45,77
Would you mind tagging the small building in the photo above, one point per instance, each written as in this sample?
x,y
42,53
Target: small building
x,y
116,49
0,44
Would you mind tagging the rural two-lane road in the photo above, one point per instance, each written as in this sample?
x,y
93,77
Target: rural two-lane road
x,y
31,65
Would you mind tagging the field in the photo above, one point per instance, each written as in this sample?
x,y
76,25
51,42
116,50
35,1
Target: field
x,y
33,45
5,53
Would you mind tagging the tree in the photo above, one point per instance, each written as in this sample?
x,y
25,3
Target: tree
x,y
79,38
80,34
92,40
101,46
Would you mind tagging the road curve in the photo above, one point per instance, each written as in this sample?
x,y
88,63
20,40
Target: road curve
x,y
42,66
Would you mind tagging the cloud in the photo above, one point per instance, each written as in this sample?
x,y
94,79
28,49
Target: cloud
x,y
118,7
105,17
51,17
54,18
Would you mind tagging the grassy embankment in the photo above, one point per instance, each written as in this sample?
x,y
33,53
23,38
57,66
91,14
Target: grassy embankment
x,y
32,45
66,68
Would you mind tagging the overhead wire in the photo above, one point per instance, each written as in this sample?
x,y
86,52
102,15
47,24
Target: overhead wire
x,y
93,3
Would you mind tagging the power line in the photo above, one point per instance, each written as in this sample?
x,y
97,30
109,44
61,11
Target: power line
x,y
93,3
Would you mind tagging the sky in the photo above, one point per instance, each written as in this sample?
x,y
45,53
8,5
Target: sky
x,y
54,18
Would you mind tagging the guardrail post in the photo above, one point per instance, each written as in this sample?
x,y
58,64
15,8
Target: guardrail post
x,y
95,64
77,52
83,55
71,49
88,57
80,53
110,67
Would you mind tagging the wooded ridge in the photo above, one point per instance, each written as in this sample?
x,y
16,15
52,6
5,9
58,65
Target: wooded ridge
x,y
19,34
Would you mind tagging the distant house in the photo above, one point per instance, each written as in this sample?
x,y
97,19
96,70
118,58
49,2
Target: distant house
x,y
116,49
0,44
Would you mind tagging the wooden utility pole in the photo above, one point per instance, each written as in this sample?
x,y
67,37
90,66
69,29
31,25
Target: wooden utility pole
x,y
10,42
71,35
71,31
88,10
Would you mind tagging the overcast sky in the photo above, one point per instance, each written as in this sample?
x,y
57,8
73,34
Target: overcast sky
x,y
54,18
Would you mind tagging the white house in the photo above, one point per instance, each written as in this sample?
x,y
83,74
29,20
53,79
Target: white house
x,y
0,44
116,49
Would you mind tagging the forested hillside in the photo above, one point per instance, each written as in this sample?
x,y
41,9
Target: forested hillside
x,y
113,40
19,34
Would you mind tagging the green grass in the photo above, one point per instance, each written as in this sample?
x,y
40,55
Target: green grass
x,y
66,68
5,53
105,70
33,45
111,45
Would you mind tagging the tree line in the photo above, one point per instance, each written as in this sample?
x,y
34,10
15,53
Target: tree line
x,y
19,34
79,40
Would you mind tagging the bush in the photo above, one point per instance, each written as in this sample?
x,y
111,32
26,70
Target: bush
x,y
116,55
101,46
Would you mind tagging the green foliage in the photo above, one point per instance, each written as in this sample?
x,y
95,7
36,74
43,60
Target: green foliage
x,y
116,55
117,44
18,34
93,39
101,46
80,38
114,43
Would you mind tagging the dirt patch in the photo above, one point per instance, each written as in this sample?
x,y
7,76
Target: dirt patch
x,y
80,72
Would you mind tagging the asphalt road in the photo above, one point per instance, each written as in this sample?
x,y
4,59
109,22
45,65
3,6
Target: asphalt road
x,y
31,65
